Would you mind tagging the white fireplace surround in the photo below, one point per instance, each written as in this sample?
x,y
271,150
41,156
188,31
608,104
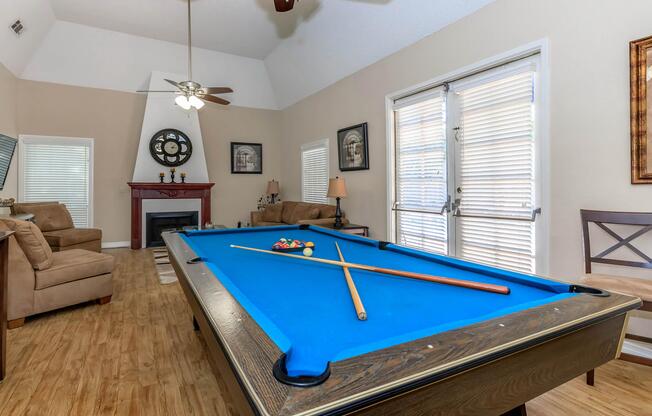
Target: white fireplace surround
x,y
166,205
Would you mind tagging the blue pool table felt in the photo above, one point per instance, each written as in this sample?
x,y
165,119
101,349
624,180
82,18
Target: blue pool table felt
x,y
306,309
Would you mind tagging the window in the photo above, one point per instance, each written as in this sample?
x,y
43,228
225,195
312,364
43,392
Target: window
x,y
465,168
314,172
58,169
421,178
496,169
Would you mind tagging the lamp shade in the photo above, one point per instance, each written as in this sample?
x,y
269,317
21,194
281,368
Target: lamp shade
x,y
272,188
336,188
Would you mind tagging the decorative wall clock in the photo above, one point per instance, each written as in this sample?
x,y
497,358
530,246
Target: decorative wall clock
x,y
170,147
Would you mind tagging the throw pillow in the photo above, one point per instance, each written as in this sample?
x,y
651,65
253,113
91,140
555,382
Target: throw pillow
x,y
304,212
273,213
33,243
327,211
288,210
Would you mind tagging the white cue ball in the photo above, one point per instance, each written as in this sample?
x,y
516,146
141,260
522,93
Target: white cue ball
x,y
307,252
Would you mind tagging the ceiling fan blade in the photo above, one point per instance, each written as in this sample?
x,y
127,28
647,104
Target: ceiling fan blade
x,y
217,90
176,84
216,100
283,5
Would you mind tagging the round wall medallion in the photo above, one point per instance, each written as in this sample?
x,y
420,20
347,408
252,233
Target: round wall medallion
x,y
170,147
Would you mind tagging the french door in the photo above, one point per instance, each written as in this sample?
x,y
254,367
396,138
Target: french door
x,y
466,169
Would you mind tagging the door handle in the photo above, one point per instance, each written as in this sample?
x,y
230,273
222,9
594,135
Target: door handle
x,y
532,218
447,206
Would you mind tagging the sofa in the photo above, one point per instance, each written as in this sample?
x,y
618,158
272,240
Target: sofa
x,y
291,212
40,280
55,222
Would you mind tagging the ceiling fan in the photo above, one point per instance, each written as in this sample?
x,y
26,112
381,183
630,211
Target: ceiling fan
x,y
284,5
191,94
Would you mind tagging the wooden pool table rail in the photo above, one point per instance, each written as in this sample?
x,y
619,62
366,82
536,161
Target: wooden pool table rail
x,y
463,371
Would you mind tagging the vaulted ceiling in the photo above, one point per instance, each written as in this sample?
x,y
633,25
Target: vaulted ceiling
x,y
272,60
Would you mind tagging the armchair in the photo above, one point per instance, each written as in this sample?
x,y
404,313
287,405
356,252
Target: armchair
x,y
40,280
54,220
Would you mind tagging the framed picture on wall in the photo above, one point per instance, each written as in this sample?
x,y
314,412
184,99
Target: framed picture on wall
x,y
640,67
246,157
353,148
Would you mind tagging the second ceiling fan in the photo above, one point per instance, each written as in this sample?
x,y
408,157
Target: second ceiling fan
x,y
191,94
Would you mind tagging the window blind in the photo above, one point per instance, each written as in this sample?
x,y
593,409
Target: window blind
x,y
314,172
496,171
7,147
61,172
420,172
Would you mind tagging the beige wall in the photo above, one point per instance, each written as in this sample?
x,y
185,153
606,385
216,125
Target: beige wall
x,y
8,90
589,108
235,196
114,120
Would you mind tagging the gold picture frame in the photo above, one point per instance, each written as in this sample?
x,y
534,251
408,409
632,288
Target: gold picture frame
x,y
640,66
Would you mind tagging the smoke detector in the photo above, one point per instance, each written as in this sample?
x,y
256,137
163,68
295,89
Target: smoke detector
x,y
17,27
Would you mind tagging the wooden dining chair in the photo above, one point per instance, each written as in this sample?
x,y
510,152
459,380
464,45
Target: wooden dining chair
x,y
641,288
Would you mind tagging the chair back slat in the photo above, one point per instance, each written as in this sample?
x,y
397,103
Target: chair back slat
x,y
600,218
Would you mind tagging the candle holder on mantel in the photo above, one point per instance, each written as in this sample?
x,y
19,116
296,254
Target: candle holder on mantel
x,y
183,177
161,176
172,175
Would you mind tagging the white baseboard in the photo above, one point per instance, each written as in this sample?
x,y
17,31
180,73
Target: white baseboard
x,y
116,244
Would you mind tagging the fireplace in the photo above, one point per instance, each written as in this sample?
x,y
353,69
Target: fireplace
x,y
159,222
141,191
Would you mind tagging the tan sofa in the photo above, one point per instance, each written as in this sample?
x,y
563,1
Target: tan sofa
x,y
40,280
291,212
55,222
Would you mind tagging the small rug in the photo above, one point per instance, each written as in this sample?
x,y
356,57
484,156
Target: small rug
x,y
166,274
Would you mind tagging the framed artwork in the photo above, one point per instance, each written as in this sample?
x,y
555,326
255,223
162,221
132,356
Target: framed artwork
x,y
640,67
246,157
353,148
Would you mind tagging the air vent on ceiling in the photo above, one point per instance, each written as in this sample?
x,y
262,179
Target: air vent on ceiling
x,y
17,27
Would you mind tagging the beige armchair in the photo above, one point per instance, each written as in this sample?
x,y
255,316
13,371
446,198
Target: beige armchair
x,y
40,280
55,222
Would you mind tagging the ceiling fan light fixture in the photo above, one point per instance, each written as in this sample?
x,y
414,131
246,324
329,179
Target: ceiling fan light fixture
x,y
183,102
195,102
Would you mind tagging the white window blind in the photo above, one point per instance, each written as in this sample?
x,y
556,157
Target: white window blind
x,y
496,171
420,171
314,172
58,170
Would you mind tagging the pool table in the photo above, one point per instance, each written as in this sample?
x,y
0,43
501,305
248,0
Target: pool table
x,y
284,335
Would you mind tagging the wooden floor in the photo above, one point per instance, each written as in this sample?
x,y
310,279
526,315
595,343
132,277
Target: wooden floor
x,y
139,355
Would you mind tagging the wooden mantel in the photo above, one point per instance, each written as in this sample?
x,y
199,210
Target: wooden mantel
x,y
154,190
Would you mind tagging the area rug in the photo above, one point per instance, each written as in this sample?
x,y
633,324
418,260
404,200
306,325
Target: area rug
x,y
166,274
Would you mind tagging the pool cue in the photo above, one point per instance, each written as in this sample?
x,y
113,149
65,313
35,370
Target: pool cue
x,y
469,284
357,302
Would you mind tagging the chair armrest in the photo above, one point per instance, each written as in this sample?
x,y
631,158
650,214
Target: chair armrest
x,y
256,217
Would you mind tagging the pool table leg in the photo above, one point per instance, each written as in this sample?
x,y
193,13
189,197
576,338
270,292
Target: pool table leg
x,y
517,411
590,377
195,324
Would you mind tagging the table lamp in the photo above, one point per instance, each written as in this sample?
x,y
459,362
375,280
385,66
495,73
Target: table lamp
x,y
273,190
337,190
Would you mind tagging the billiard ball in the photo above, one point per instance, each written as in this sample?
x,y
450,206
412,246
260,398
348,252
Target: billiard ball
x,y
307,252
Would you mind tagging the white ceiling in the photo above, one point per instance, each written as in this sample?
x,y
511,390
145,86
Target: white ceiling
x,y
241,27
289,56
